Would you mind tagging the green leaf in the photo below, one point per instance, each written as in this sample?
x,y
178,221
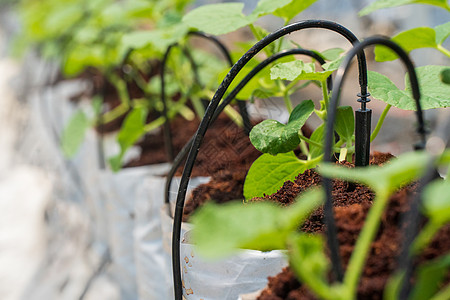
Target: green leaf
x,y
391,291
259,34
73,134
273,137
394,3
436,201
132,129
308,255
442,32
288,12
333,65
298,70
421,37
387,178
249,88
332,53
262,93
445,76
345,122
268,173
430,277
218,18
435,94
317,136
220,230
81,56
158,39
266,7
308,260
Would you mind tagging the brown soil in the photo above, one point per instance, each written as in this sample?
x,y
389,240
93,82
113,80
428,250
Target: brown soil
x,y
352,202
225,147
224,186
229,171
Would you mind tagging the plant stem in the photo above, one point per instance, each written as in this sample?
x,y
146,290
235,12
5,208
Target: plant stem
x,y
326,98
117,112
154,124
121,87
139,80
443,50
288,103
259,37
234,116
303,146
362,247
343,154
380,122
187,113
425,236
316,144
198,106
287,100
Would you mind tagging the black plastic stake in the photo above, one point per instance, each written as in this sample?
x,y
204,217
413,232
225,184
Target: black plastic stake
x,y
363,120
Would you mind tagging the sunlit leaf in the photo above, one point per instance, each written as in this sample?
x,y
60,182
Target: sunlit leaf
x,y
435,94
268,173
273,137
345,122
217,18
394,3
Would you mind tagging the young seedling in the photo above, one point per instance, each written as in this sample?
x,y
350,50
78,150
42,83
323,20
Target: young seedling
x,y
218,232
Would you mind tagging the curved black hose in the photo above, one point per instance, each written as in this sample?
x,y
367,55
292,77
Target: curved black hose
x,y
183,153
241,104
176,237
339,79
226,54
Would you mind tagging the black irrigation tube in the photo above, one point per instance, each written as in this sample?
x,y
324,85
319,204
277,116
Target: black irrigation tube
x,y
241,104
226,54
176,265
412,219
183,153
339,79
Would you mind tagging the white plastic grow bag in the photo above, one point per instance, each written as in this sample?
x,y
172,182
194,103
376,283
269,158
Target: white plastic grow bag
x,y
120,191
153,238
228,278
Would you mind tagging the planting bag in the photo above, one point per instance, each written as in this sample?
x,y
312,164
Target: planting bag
x,y
153,238
120,197
228,278
250,296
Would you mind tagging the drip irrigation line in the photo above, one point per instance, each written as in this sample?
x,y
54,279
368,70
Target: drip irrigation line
x,y
198,138
185,150
339,79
